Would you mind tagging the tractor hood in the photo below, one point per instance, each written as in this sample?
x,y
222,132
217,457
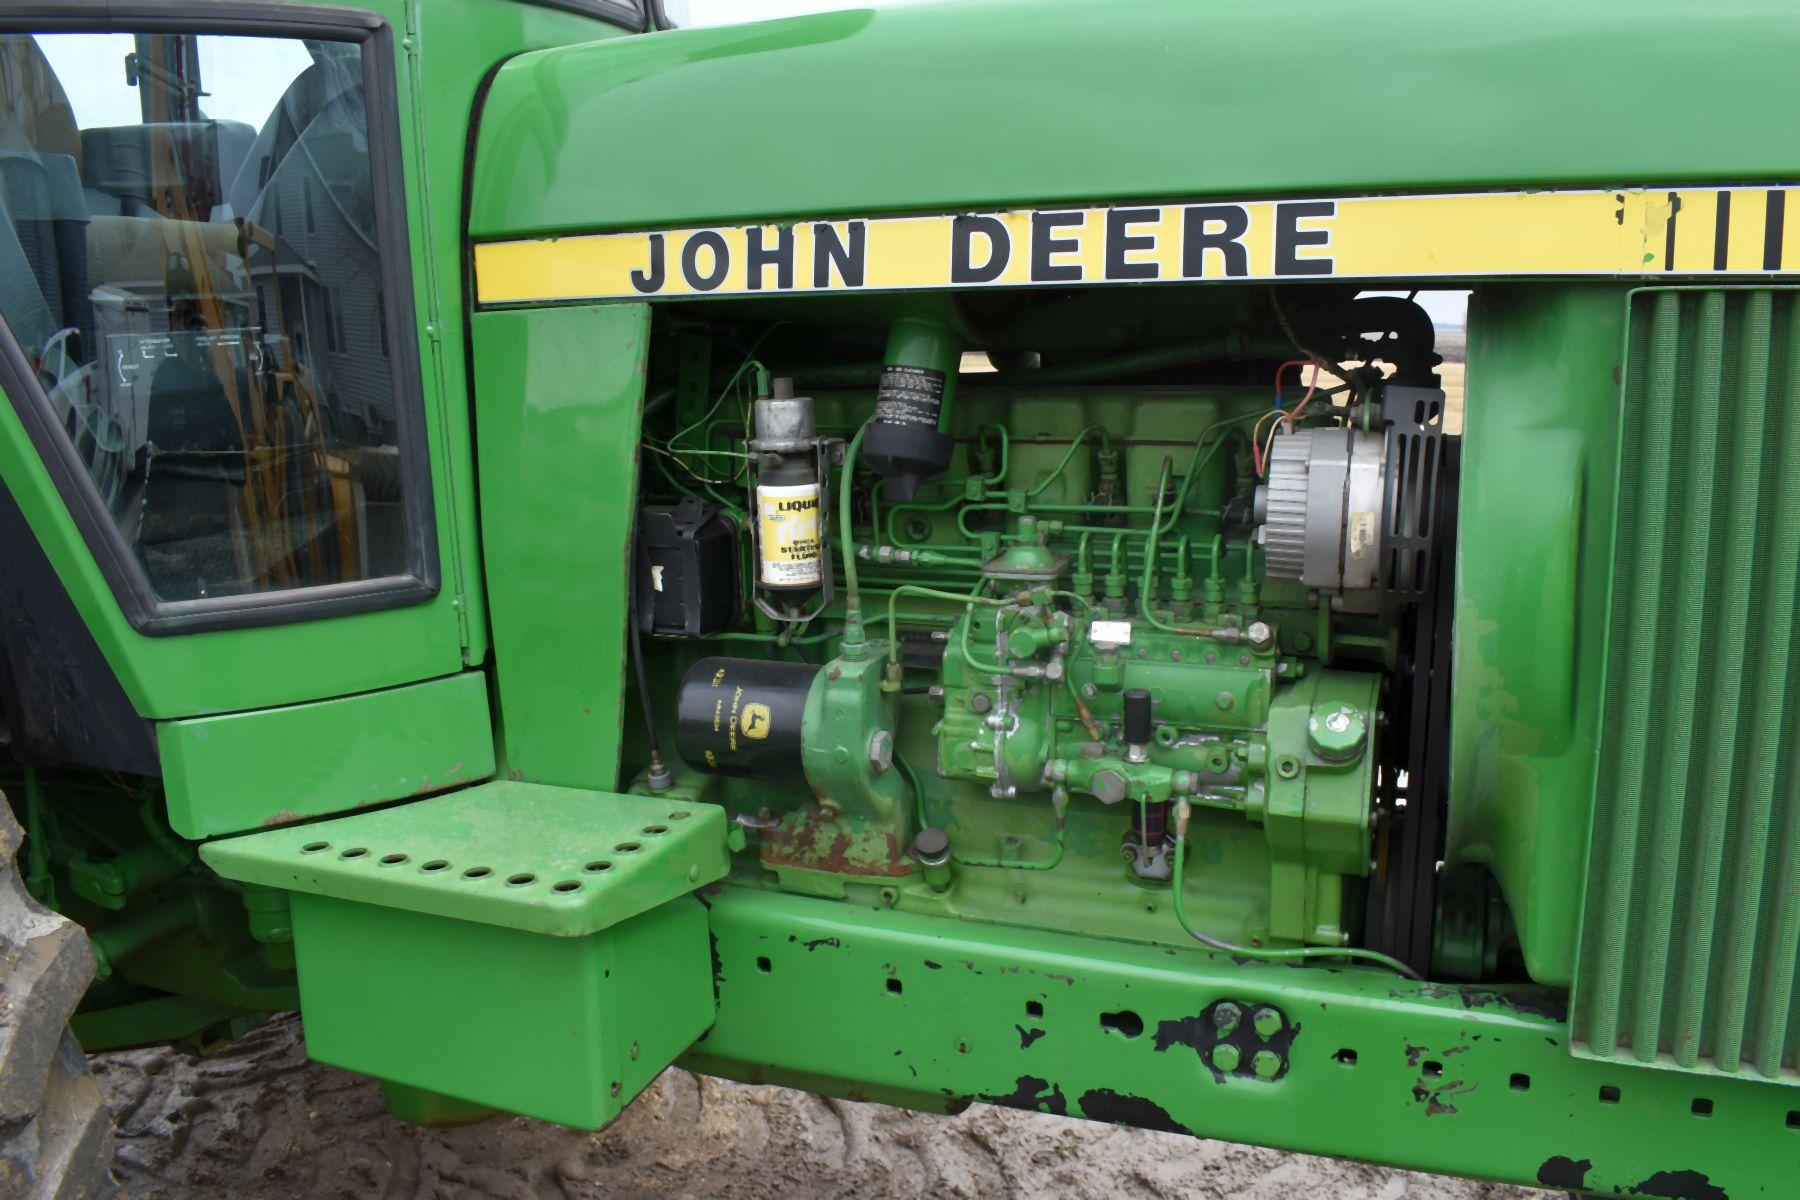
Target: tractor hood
x,y
992,103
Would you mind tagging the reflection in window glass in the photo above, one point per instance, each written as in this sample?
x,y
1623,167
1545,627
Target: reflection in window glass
x,y
188,257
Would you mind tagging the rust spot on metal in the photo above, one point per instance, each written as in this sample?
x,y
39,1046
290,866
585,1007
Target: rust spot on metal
x,y
1438,1100
286,816
799,844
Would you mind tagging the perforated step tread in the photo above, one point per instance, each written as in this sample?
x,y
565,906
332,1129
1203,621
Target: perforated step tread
x,y
565,862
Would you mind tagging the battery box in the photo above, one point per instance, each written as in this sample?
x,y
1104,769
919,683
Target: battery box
x,y
529,948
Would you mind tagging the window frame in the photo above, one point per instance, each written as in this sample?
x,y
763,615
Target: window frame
x,y
124,575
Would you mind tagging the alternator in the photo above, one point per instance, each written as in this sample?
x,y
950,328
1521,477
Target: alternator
x,y
1320,511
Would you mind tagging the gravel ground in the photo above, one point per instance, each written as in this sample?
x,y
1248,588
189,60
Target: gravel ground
x,y
257,1120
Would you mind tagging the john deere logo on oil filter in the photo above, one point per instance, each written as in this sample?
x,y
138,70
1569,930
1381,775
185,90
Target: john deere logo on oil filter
x,y
755,721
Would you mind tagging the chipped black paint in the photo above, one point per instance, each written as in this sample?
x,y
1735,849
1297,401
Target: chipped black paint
x,y
1104,1104
1550,1003
1681,1185
1561,1172
834,943
1033,1095
1200,1033
1028,1036
933,966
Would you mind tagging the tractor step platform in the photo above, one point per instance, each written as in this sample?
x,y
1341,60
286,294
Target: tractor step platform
x,y
526,947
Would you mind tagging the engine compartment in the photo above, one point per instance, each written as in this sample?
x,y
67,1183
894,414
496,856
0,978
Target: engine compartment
x,y
1013,613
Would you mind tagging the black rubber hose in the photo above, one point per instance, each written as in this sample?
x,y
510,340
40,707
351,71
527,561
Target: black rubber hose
x,y
637,650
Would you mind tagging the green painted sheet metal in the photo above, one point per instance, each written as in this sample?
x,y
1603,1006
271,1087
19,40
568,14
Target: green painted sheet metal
x,y
1471,1080
565,1029
1013,101
559,399
236,772
560,862
1690,953
1534,538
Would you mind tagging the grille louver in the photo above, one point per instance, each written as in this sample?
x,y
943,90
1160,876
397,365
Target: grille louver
x,y
1691,934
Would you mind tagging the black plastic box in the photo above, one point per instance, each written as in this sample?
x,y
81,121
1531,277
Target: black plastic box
x,y
687,584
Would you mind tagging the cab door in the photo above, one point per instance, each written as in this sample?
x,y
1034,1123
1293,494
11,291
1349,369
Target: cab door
x,y
217,455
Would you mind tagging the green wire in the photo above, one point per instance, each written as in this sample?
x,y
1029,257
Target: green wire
x,y
1262,954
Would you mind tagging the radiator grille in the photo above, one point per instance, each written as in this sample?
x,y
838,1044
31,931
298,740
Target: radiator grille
x,y
1691,934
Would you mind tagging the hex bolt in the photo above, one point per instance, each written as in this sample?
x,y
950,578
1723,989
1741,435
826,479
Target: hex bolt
x,y
1226,1017
1266,1064
881,751
1225,701
1226,1057
1267,1021
1260,634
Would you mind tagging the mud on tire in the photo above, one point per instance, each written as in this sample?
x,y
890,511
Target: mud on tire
x,y
55,1133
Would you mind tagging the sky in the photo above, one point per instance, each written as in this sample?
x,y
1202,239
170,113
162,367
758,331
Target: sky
x,y
244,77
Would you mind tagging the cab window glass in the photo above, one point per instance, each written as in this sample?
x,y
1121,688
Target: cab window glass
x,y
189,260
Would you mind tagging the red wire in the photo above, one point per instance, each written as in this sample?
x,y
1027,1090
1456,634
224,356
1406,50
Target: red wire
x,y
1259,450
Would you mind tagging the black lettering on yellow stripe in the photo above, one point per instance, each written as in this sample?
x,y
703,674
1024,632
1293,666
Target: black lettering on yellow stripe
x,y
1290,239
781,257
963,232
711,240
1121,242
829,253
1669,234
650,279
1722,231
1219,227
1045,246
1773,220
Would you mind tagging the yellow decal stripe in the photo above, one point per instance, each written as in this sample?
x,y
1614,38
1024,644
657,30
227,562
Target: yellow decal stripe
x,y
1628,233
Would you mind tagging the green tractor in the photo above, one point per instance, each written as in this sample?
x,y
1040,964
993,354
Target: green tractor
x,y
924,555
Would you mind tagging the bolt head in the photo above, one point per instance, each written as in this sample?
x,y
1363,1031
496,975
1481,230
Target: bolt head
x,y
881,750
1260,634
1266,1064
1226,1018
1267,1021
1226,1057
1225,701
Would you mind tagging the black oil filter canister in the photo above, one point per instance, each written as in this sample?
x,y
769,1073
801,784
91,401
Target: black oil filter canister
x,y
906,444
741,717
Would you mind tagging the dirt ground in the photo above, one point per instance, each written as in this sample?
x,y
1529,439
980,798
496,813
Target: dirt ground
x,y
257,1121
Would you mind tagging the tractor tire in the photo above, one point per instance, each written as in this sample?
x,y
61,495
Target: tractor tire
x,y
55,1132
